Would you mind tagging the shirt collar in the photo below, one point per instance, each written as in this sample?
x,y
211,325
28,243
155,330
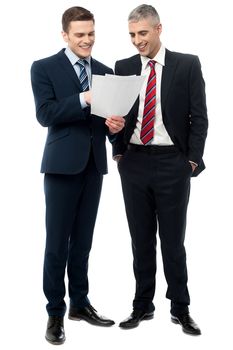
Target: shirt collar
x,y
74,58
159,58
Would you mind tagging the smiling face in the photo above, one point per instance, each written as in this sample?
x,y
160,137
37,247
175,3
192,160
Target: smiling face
x,y
145,36
80,37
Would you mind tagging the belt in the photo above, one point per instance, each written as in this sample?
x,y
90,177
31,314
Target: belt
x,y
152,149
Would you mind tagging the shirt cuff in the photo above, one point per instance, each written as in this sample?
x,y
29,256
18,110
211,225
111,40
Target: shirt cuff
x,y
117,156
82,100
190,161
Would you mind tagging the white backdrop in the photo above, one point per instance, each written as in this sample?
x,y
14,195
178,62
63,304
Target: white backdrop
x,y
31,30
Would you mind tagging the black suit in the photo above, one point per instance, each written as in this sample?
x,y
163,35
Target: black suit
x,y
74,163
156,179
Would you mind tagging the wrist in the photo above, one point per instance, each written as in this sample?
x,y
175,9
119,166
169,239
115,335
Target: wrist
x,y
117,157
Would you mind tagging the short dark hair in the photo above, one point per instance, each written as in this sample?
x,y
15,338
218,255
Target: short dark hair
x,y
75,13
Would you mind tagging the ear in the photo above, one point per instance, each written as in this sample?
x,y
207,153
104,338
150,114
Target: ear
x,y
65,36
159,28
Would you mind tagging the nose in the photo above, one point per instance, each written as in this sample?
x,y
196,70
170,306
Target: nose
x,y
137,40
87,39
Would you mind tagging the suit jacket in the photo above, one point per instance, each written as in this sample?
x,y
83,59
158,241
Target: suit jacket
x,y
183,104
71,129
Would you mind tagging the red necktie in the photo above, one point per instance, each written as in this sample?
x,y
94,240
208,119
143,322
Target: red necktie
x,y
147,130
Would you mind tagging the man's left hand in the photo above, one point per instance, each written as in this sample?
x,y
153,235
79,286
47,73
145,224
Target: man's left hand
x,y
115,124
193,165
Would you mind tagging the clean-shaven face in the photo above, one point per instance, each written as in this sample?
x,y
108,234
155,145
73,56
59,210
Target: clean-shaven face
x,y
80,37
145,36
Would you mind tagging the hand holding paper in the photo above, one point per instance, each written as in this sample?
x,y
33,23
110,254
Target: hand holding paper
x,y
87,97
115,124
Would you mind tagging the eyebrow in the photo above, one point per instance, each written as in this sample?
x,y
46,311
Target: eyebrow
x,y
81,33
140,32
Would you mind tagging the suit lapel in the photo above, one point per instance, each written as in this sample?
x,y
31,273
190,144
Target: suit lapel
x,y
136,67
94,67
167,76
67,66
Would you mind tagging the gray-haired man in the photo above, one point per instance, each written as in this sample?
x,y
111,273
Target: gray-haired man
x,y
158,151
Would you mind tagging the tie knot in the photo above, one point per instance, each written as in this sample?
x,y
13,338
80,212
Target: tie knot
x,y
152,63
82,62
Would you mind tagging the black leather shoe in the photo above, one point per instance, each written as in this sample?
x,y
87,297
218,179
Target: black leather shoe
x,y
89,314
135,318
55,333
187,323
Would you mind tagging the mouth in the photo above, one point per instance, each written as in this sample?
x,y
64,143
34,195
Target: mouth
x,y
141,47
86,47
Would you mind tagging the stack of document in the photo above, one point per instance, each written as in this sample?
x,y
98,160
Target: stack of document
x,y
114,94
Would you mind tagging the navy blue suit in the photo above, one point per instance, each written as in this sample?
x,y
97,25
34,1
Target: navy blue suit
x,y
74,162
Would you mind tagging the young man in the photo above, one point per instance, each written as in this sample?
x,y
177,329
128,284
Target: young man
x,y
74,163
159,150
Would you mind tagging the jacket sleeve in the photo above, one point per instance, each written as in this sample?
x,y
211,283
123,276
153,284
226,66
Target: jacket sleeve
x,y
50,109
198,113
118,144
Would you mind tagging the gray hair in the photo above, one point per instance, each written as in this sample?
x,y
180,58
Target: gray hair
x,y
142,12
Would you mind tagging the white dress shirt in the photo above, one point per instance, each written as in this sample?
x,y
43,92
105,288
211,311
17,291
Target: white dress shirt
x,y
161,136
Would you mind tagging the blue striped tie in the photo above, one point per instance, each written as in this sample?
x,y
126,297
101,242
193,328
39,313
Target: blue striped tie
x,y
83,74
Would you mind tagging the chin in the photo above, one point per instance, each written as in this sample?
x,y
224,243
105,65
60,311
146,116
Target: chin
x,y
86,54
144,54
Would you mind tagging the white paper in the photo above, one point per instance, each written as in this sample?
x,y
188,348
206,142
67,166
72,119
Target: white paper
x,y
114,94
